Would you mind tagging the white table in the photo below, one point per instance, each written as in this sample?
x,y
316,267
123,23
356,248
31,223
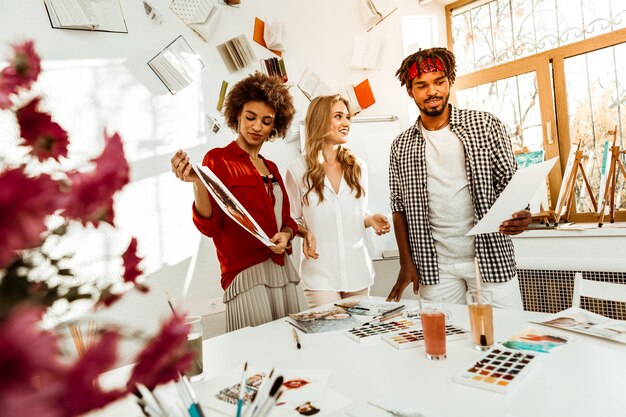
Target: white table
x,y
585,378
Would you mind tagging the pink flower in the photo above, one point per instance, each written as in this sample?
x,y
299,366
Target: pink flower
x,y
131,262
24,68
165,357
26,351
24,205
92,193
30,372
81,390
45,138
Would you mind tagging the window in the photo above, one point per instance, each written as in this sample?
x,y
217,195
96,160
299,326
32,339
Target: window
x,y
553,71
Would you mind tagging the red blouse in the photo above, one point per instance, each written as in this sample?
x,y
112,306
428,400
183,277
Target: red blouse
x,y
236,248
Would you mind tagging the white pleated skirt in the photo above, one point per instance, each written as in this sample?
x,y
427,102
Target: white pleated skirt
x,y
263,293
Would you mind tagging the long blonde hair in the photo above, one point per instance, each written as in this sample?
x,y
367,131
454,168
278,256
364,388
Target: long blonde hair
x,y
317,128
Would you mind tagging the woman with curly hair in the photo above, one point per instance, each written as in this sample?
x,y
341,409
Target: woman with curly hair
x,y
260,282
327,188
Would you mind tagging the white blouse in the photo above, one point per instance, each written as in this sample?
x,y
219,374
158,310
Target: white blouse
x,y
344,263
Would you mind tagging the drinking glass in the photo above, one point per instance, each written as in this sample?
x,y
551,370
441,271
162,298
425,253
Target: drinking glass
x,y
481,318
194,344
434,327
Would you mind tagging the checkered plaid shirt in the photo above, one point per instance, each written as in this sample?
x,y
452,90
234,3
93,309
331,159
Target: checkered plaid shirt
x,y
489,164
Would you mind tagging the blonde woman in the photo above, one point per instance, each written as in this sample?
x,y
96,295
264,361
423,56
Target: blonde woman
x,y
327,189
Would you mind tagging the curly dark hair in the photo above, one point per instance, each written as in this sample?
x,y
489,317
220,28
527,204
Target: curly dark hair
x,y
445,56
260,87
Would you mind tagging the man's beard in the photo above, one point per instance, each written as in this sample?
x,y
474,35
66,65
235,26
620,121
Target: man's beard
x,y
436,112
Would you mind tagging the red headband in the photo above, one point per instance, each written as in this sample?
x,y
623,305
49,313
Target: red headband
x,y
426,65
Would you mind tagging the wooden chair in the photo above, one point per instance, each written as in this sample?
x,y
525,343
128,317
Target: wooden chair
x,y
597,289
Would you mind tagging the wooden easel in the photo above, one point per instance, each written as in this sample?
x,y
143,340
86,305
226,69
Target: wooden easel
x,y
611,179
570,184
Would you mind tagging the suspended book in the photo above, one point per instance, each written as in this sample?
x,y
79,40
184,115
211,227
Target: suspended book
x,y
275,35
237,53
177,65
311,85
200,15
360,96
152,13
97,15
275,67
371,15
366,52
258,35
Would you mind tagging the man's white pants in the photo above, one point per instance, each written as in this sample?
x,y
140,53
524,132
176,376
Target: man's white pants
x,y
456,279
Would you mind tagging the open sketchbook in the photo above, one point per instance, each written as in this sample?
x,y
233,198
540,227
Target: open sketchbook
x,y
229,204
323,319
583,321
97,15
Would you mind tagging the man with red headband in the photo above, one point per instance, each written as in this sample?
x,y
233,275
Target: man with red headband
x,y
445,172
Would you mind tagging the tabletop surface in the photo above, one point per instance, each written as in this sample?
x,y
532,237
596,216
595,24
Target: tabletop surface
x,y
584,378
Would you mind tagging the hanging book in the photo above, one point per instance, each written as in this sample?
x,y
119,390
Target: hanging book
x,y
259,36
237,53
177,65
366,52
97,15
200,15
275,35
222,95
275,67
374,13
311,85
360,96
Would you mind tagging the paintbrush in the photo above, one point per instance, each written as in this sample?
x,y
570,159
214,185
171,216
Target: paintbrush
x,y
193,406
242,389
272,402
269,401
261,392
386,316
479,299
352,307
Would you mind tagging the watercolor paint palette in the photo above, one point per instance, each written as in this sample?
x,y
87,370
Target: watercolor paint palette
x,y
376,331
411,338
499,369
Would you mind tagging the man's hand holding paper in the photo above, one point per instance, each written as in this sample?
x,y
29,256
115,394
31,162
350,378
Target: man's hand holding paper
x,y
514,198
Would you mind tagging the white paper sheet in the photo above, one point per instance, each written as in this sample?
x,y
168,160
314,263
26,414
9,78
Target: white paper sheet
x,y
514,197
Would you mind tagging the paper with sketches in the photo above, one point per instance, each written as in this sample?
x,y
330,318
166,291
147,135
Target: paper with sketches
x,y
229,204
583,321
536,340
514,197
299,386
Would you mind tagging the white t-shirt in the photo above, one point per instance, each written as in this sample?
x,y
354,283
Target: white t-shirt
x,y
344,263
450,206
